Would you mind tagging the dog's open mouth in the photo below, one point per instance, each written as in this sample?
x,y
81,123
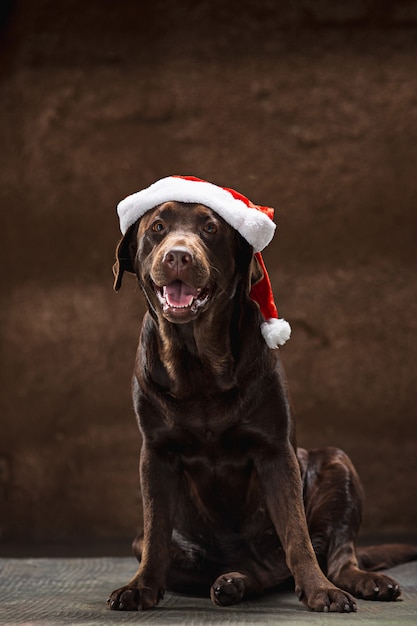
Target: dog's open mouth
x,y
179,296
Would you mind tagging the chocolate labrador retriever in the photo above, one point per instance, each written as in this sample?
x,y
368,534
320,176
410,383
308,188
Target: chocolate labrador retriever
x,y
231,505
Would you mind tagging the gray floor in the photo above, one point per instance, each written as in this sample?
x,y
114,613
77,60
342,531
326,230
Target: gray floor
x,y
54,591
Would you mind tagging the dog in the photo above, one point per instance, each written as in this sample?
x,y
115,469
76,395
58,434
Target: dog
x,y
231,505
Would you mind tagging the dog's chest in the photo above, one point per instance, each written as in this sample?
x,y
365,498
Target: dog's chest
x,y
210,440
207,428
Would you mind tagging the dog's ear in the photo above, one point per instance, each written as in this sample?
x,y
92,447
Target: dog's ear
x,y
256,272
248,264
124,257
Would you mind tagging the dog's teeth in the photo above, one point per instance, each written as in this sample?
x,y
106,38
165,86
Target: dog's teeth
x,y
182,306
194,302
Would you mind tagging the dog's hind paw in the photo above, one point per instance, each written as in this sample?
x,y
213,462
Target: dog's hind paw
x,y
370,586
228,589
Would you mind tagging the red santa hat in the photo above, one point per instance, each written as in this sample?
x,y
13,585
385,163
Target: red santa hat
x,y
253,222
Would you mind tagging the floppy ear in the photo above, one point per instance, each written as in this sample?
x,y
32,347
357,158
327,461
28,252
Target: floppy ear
x,y
256,272
124,257
248,264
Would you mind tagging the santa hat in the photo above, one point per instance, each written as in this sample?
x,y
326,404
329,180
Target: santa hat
x,y
253,222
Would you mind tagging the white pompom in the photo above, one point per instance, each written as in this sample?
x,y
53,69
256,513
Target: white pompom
x,y
275,332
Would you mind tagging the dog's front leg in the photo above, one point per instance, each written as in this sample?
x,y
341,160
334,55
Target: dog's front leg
x,y
159,483
281,482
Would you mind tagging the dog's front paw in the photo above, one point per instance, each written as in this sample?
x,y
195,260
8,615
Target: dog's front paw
x,y
133,598
329,599
228,589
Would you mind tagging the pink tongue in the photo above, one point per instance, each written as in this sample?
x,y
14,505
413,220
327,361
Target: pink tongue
x,y
178,293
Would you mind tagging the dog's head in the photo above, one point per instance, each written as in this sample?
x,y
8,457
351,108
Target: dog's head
x,y
186,259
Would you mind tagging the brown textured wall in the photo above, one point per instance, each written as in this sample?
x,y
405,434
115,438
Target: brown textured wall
x,y
310,107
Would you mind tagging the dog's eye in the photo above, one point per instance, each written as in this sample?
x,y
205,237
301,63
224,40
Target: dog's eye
x,y
210,228
158,226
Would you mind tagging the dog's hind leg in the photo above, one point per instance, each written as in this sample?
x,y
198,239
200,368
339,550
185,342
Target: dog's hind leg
x,y
193,571
258,566
234,587
333,500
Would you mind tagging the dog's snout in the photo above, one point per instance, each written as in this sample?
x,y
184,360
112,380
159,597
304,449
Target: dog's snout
x,y
178,258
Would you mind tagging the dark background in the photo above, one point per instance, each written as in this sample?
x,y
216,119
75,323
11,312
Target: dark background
x,y
307,106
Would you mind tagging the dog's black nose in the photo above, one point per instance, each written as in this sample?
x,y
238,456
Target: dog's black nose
x,y
178,258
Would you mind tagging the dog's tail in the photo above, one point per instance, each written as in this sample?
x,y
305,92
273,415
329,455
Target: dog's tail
x,y
373,558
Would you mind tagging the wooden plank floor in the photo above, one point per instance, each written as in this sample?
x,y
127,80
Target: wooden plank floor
x,y
55,591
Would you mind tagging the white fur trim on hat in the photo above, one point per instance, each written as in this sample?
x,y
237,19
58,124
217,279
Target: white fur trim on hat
x,y
254,225
275,332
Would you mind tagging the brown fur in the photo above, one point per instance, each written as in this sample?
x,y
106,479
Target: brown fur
x,y
231,505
